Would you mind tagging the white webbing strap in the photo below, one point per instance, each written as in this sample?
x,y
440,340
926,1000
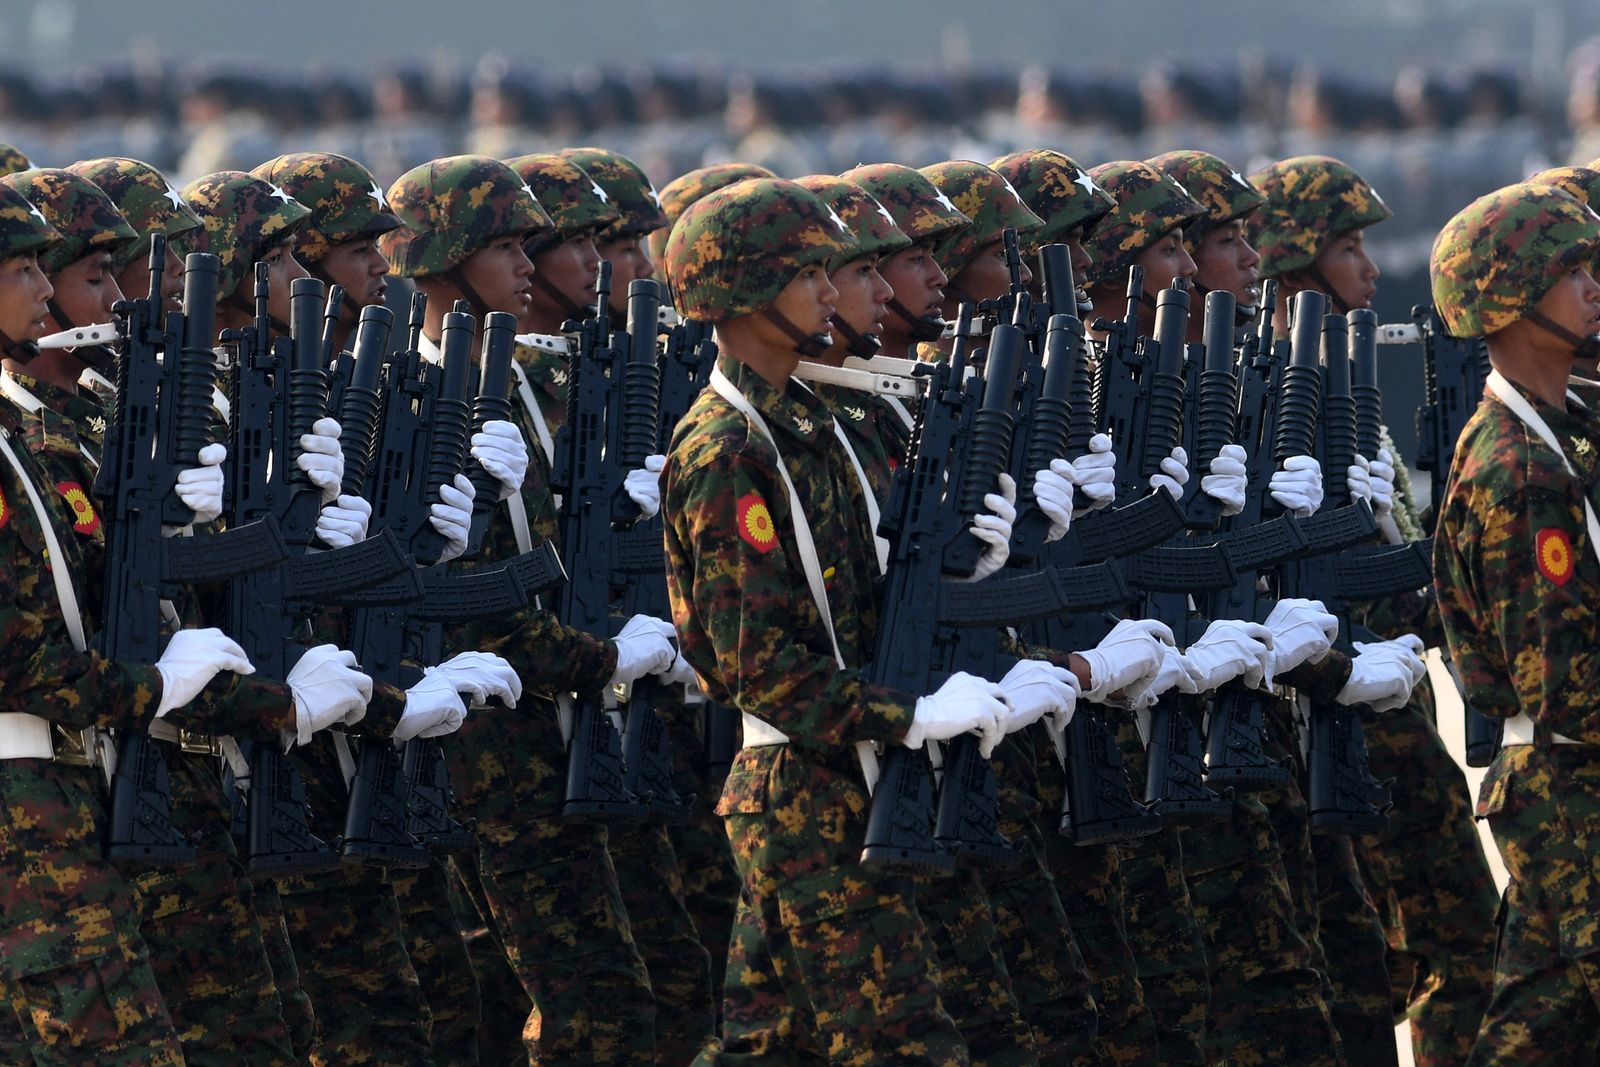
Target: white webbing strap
x,y
28,401
347,759
900,410
873,512
530,404
1508,395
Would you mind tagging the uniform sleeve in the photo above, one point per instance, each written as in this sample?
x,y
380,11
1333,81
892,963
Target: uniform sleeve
x,y
746,620
550,658
240,704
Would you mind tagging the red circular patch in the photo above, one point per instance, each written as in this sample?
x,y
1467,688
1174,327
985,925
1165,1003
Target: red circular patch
x,y
755,523
1552,550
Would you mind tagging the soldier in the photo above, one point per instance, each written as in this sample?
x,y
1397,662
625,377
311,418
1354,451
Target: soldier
x,y
548,885
622,242
1516,574
685,189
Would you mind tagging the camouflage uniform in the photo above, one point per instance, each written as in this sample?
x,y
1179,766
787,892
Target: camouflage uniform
x,y
12,160
548,885
1515,572
812,985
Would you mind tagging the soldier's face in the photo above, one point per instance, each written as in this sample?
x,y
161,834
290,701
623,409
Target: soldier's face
x,y
282,271
1345,265
361,269
916,279
1224,261
23,292
572,267
863,295
1165,260
1573,302
86,290
630,260
808,302
987,276
499,273
134,279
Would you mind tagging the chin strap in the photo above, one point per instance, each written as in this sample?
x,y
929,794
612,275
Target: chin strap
x,y
1582,347
1341,305
1243,314
569,308
922,327
480,308
806,344
861,345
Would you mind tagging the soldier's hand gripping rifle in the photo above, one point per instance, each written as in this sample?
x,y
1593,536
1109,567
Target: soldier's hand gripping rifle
x,y
158,420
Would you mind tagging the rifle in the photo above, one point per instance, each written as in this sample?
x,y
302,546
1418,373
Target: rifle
x,y
146,444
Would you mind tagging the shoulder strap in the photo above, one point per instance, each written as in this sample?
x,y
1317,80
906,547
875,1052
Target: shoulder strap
x,y
1508,395
59,572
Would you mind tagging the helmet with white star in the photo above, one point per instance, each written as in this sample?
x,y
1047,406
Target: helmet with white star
x,y
450,208
145,198
628,189
1057,190
573,200
984,196
242,218
23,227
345,200
1221,190
1150,205
75,207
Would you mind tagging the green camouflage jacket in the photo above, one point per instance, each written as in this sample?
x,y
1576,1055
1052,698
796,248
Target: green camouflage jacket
x,y
743,610
876,433
548,375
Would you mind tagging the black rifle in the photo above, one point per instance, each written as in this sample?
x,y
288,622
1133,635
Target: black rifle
x,y
146,444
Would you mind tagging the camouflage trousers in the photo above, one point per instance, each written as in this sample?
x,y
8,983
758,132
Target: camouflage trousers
x,y
1355,948
830,961
1433,888
1089,882
1543,806
74,970
297,1010
503,1006
439,956
205,937
1266,998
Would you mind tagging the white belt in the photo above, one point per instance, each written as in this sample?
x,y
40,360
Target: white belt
x,y
1519,731
758,734
24,736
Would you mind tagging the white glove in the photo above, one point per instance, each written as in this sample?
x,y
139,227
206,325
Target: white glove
x,y
433,708
643,486
680,673
964,702
1034,688
1052,490
1174,473
200,488
1383,673
993,528
482,675
191,659
1298,486
1228,649
1381,471
452,516
1226,482
328,688
1096,474
321,457
1301,630
643,647
1357,480
1175,672
499,447
344,522
1130,655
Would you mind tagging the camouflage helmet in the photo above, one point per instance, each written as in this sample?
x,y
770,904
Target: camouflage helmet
x,y
1501,253
1221,190
452,207
685,189
985,197
1057,190
920,208
241,218
574,201
1310,201
75,207
868,222
734,251
345,200
1581,183
146,200
12,160
23,227
1150,205
628,187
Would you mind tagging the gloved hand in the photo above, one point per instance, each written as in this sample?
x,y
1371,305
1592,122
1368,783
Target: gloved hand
x,y
1052,489
191,659
1297,487
481,675
1381,471
964,702
1228,649
1095,475
993,528
328,688
321,457
643,486
1174,473
200,488
1302,630
1129,656
344,522
1033,688
680,673
499,447
1227,480
643,647
1175,672
433,708
1357,480
1383,673
452,516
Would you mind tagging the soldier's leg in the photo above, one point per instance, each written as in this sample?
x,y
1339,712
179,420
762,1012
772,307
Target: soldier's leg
x,y
1355,948
1432,884
504,1007
439,956
761,1023
679,969
74,971
298,1012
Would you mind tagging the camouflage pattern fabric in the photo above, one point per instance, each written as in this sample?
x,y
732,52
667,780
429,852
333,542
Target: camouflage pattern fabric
x,y
503,1006
985,197
921,209
1217,187
1501,253
1056,189
241,218
345,200
23,227
12,160
1150,204
574,201
145,199
85,217
1580,183
680,192
438,954
1310,200
868,222
627,189
298,1012
1355,948
451,207
875,431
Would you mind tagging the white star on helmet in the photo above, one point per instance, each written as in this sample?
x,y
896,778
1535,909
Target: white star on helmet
x,y
529,191
279,194
1179,184
1236,176
33,209
653,197
944,201
377,196
601,193
1090,186
837,221
880,209
1014,195
174,196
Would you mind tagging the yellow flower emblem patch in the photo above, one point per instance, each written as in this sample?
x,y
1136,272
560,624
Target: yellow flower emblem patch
x,y
84,519
1553,554
755,523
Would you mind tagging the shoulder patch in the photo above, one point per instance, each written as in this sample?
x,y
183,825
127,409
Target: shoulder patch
x,y
755,523
1553,554
84,519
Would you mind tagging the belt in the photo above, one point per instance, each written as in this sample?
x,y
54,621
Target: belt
x,y
191,741
24,736
758,734
1519,731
